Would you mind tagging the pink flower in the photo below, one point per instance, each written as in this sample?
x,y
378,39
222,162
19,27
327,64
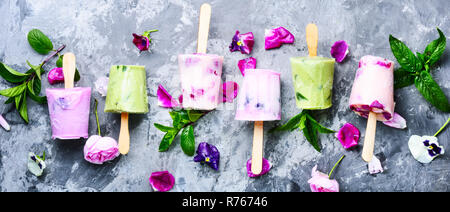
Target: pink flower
x,y
55,75
266,168
242,42
247,63
320,182
165,99
348,135
162,181
339,50
229,91
99,149
274,38
142,42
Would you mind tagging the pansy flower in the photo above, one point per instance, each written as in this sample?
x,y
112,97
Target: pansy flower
x,y
242,42
247,63
265,168
339,51
321,182
208,154
348,135
274,38
36,164
142,42
55,75
425,148
4,123
162,181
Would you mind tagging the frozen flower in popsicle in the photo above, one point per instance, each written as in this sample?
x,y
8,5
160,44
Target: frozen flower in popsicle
x,y
101,85
162,181
209,154
98,150
265,168
274,38
36,164
339,50
348,135
247,63
142,42
229,91
425,148
242,42
55,76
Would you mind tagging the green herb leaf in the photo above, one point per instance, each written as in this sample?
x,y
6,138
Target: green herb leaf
x,y
299,96
188,140
167,140
10,100
317,126
39,42
15,91
431,91
32,92
36,69
403,78
12,75
18,100
23,108
176,119
405,57
292,124
194,115
435,49
163,128
310,133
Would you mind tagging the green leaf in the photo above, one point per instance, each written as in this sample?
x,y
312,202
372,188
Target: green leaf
x,y
319,127
163,128
15,91
18,100
37,86
403,78
10,100
188,140
39,42
405,57
431,91
12,75
299,96
32,93
176,119
36,69
23,108
292,124
194,115
310,133
435,49
167,140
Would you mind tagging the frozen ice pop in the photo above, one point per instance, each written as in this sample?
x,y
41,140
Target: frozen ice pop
x,y
200,80
313,81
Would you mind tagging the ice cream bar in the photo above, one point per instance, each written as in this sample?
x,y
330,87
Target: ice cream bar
x,y
313,81
200,76
127,90
259,96
69,112
373,88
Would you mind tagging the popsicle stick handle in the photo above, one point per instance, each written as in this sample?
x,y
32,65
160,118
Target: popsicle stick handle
x,y
124,136
258,147
312,38
369,139
69,69
203,28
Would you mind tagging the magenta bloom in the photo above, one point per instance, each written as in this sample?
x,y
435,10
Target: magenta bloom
x,y
348,135
242,42
247,63
55,75
142,42
229,91
266,168
162,181
209,154
165,99
274,38
339,50
99,149
320,182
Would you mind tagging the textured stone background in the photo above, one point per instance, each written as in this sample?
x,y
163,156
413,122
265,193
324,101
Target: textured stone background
x,y
99,33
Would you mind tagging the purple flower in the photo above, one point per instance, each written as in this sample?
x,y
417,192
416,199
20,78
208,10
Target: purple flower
x,y
274,38
55,75
242,42
348,135
247,63
229,91
208,154
265,168
162,181
165,99
339,50
396,122
142,42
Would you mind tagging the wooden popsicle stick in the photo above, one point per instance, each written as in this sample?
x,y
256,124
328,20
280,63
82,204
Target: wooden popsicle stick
x,y
124,136
258,147
203,28
312,38
69,69
369,139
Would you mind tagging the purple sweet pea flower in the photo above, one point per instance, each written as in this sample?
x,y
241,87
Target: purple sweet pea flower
x,y
229,91
339,50
348,135
142,42
55,75
247,63
165,99
274,38
208,154
242,42
265,168
162,181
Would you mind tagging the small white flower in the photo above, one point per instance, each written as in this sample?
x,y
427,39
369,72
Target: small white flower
x,y
36,164
425,148
375,166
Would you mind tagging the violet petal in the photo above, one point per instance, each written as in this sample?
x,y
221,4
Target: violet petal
x,y
265,168
242,42
396,122
209,154
274,38
229,91
165,99
162,181
4,123
141,42
348,135
247,63
339,50
55,75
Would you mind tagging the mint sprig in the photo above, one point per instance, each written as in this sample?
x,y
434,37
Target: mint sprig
x,y
182,120
415,69
306,123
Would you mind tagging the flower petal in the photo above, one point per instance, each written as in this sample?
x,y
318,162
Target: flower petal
x,y
165,99
247,63
98,150
320,182
101,85
35,164
274,38
229,91
420,149
375,166
141,42
55,75
4,123
397,122
242,42
209,154
348,135
265,168
162,181
339,50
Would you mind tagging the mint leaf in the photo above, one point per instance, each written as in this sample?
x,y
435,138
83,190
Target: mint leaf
x,y
403,78
435,49
23,108
188,140
310,133
176,119
299,96
39,42
32,92
163,128
15,91
36,69
18,100
12,75
10,100
168,139
292,124
318,126
194,115
405,57
431,91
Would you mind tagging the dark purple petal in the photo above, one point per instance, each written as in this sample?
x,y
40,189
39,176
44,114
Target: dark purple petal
x,y
242,42
266,168
208,154
274,38
339,50
165,99
141,42
229,91
348,135
162,181
247,63
55,75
